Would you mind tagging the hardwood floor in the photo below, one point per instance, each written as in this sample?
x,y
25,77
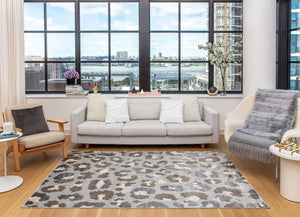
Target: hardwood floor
x,y
34,169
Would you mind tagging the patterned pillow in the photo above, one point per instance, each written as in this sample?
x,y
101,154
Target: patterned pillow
x,y
171,111
116,111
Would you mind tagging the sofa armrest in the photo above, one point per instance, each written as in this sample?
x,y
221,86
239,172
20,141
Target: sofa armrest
x,y
78,116
211,117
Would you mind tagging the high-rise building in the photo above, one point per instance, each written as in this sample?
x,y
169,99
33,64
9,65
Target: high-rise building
x,y
228,17
122,55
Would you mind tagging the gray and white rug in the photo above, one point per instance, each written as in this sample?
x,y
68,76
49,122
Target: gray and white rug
x,y
126,179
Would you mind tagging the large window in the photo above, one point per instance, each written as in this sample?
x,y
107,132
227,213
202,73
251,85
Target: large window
x,y
294,63
119,44
288,54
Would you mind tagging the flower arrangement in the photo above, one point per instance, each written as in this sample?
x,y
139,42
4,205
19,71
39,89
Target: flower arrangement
x,y
221,54
71,74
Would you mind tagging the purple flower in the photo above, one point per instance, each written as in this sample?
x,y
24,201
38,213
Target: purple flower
x,y
71,74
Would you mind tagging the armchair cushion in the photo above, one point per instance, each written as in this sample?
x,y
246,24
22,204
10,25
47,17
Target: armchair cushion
x,y
30,120
41,139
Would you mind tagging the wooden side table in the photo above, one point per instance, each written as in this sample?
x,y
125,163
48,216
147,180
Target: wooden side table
x,y
8,183
289,173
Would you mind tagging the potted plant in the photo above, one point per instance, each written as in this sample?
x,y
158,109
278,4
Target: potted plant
x,y
71,75
221,54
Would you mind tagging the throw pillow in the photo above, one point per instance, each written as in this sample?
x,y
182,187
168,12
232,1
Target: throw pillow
x,y
190,108
116,111
96,107
171,111
30,120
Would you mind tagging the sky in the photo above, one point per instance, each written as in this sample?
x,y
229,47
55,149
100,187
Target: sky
x,y
124,16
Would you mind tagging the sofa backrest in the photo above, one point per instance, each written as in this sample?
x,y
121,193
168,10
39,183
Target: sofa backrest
x,y
149,108
144,108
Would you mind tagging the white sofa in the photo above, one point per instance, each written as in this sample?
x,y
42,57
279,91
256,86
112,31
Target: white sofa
x,y
236,119
144,127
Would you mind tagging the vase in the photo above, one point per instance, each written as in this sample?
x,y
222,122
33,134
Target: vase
x,y
95,89
223,81
70,81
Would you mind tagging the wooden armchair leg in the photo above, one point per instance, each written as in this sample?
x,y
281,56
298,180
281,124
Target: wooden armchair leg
x,y
17,154
87,146
64,149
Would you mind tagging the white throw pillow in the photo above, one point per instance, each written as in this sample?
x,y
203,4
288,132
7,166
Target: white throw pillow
x,y
190,107
171,111
116,111
96,107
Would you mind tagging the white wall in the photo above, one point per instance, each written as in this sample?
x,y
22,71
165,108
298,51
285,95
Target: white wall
x,y
259,45
60,107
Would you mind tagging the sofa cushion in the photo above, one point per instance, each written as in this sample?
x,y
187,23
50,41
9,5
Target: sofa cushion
x,y
144,109
96,107
189,129
144,128
96,128
41,139
190,107
171,111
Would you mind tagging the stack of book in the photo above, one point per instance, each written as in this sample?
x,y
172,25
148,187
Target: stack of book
x,y
75,90
12,134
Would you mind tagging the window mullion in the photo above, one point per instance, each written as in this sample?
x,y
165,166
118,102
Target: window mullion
x,y
46,56
211,39
144,45
77,40
109,48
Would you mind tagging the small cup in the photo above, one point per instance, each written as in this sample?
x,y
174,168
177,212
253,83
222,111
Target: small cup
x,y
7,127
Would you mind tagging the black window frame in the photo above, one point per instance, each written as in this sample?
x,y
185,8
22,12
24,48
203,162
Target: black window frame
x,y
144,44
283,44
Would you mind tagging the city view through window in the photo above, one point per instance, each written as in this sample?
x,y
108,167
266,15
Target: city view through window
x,y
295,45
101,40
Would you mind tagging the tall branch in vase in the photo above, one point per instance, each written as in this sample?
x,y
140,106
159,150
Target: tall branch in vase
x,y
222,53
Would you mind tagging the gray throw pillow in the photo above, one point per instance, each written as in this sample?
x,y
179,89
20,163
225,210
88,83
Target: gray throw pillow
x,y
30,120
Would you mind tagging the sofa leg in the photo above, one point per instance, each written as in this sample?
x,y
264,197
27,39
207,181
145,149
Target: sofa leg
x,y
87,146
202,146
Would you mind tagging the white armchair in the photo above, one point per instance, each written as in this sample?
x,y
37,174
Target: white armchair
x,y
238,116
236,119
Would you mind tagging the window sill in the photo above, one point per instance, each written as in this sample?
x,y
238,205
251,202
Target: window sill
x,y
64,96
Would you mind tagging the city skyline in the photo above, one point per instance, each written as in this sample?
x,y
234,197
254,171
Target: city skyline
x,y
98,40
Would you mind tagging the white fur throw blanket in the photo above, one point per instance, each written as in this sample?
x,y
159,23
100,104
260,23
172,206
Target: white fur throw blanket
x,y
273,113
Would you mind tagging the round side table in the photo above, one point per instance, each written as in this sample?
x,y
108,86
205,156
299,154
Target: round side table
x,y
289,174
8,183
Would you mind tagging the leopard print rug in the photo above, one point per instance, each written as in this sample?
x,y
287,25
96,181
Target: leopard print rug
x,y
153,179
